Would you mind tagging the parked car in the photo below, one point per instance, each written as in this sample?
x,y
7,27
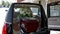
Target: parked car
x,y
25,18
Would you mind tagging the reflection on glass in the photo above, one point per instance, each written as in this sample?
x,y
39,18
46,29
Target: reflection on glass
x,y
55,10
23,12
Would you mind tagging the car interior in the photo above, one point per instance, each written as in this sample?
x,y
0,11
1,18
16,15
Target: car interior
x,y
28,15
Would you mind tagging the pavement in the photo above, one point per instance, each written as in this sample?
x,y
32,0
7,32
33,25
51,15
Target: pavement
x,y
2,18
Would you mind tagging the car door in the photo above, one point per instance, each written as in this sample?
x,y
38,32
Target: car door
x,y
53,12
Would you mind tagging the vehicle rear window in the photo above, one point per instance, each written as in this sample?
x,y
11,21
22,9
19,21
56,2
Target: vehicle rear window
x,y
25,12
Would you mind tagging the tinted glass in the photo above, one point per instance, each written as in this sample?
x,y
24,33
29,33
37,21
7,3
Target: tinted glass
x,y
24,11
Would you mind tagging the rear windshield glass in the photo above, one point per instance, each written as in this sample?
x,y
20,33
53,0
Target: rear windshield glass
x,y
26,13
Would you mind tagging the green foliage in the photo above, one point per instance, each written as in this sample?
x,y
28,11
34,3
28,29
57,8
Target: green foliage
x,y
5,4
27,11
24,12
0,5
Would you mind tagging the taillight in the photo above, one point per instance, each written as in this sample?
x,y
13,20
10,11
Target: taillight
x,y
4,31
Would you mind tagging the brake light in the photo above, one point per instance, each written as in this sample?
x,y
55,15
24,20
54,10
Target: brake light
x,y
4,31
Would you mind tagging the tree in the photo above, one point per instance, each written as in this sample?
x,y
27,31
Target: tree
x,y
3,4
27,11
7,4
0,5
